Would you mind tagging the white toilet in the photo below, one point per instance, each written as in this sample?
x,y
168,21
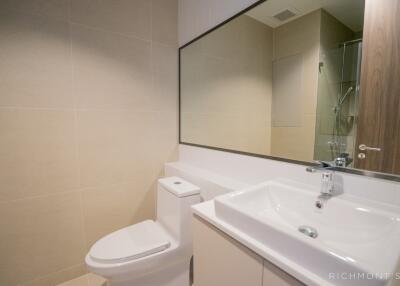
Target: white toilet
x,y
151,253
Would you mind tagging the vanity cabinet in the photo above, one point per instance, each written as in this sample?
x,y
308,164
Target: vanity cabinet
x,y
220,260
273,276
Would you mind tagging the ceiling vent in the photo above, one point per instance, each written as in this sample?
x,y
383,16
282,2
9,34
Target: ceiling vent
x,y
285,15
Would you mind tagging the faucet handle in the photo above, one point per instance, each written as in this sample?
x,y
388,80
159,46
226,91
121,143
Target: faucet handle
x,y
322,166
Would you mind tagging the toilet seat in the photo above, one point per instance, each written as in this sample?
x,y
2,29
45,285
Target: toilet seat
x,y
130,243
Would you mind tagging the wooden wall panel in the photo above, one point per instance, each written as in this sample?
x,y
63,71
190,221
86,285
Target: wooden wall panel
x,y
379,120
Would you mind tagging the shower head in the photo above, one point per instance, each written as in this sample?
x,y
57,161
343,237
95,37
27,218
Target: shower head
x,y
343,98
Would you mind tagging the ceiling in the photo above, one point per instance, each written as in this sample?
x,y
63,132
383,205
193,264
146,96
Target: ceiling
x,y
349,12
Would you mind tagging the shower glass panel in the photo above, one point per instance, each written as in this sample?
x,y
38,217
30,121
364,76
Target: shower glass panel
x,y
337,106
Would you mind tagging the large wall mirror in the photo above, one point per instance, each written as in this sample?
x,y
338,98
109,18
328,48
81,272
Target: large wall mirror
x,y
301,80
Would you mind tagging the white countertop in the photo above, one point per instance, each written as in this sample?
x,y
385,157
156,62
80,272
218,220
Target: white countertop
x,y
206,211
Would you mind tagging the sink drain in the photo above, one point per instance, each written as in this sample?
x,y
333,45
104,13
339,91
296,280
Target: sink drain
x,y
309,231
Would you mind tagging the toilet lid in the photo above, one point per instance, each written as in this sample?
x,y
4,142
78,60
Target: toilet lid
x,y
130,243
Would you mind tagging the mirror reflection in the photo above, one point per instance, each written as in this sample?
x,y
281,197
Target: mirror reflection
x,y
281,80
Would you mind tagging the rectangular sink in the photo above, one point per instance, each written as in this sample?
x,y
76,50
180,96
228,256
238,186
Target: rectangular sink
x,y
350,237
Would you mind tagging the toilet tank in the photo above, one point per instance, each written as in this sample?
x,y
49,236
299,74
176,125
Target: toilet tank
x,y
175,196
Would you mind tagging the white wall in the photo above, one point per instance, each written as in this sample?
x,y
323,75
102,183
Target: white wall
x,y
233,171
195,17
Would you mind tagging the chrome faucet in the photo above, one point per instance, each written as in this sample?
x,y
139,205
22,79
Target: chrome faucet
x,y
327,186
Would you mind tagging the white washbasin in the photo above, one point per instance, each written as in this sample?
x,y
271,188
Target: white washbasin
x,y
352,237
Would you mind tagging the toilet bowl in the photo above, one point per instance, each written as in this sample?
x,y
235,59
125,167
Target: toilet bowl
x,y
151,253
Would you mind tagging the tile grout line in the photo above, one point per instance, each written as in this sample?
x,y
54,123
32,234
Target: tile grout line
x,y
77,139
152,80
76,118
39,196
78,190
81,109
97,29
94,28
69,20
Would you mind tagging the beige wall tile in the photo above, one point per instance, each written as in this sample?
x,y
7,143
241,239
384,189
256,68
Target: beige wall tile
x,y
235,132
37,153
164,22
35,64
301,36
111,143
110,71
296,143
110,208
122,147
52,8
113,146
165,78
298,36
227,88
163,140
88,114
310,82
128,17
226,42
40,236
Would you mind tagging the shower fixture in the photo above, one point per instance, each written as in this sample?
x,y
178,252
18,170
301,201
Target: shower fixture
x,y
342,99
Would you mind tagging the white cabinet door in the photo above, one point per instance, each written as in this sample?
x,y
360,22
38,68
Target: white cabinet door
x,y
221,261
273,276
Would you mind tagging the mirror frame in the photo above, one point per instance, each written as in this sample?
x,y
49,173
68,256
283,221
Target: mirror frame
x,y
372,174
